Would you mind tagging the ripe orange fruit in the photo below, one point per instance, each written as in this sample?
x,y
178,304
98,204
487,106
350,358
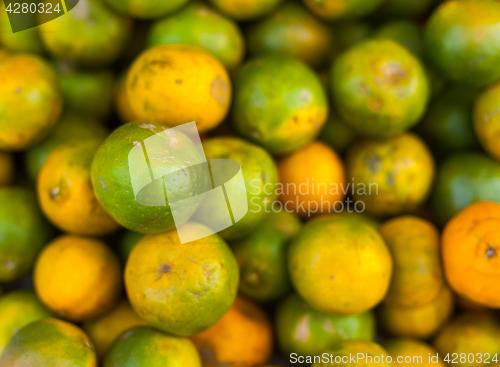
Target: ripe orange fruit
x,y
470,247
313,180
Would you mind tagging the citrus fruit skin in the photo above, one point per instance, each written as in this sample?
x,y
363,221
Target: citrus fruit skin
x,y
487,119
79,278
302,330
181,288
146,9
66,194
278,103
175,84
408,347
17,309
200,25
414,245
463,179
469,246
379,88
342,9
448,126
69,37
105,329
260,176
110,173
292,31
70,126
21,76
6,169
418,322
145,346
261,257
326,268
88,93
347,348
472,333
337,134
405,32
463,40
243,337
317,167
39,342
23,231
390,176
246,9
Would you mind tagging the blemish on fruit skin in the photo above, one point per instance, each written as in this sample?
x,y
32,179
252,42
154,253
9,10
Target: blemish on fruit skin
x,y
9,264
373,163
220,90
178,81
102,183
148,127
54,192
17,91
164,269
127,335
490,251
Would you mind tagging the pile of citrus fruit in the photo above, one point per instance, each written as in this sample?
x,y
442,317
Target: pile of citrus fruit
x,y
367,136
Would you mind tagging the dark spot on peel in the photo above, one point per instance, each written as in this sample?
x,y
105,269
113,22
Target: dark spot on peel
x,y
490,251
373,163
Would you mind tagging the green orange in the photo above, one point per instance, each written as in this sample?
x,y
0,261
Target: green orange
x,y
487,119
462,179
305,331
85,92
18,309
448,126
70,37
463,40
199,25
404,32
259,174
49,343
112,170
181,288
329,272
390,176
145,346
23,230
279,103
379,88
292,31
261,257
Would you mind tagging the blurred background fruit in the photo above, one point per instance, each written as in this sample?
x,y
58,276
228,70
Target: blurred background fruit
x,y
199,25
278,103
